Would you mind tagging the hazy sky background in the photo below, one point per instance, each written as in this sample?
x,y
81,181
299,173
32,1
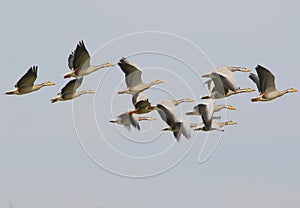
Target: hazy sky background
x,y
42,162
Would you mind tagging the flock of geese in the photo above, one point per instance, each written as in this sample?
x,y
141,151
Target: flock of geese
x,y
221,83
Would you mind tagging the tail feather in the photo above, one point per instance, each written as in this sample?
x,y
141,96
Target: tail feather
x,y
123,92
53,100
206,97
10,92
255,99
69,75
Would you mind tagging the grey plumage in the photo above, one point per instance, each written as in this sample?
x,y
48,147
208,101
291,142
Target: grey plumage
x,y
133,78
133,74
28,78
167,111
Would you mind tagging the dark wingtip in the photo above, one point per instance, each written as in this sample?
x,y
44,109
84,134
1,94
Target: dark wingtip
x,y
205,97
9,93
251,76
53,100
123,60
260,67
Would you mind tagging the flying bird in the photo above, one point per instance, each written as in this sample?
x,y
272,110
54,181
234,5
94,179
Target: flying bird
x,y
79,62
216,108
210,123
133,78
127,120
142,104
184,100
166,110
223,84
26,83
265,82
216,125
228,68
68,92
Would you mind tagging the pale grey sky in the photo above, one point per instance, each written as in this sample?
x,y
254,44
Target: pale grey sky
x,y
42,162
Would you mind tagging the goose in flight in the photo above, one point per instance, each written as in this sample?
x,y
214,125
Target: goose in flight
x,y
79,62
228,68
216,108
265,82
223,84
133,78
184,100
216,125
26,83
68,92
238,68
209,122
166,110
127,120
142,104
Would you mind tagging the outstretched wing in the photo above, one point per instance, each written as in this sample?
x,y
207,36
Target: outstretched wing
x,y
206,110
28,78
70,61
186,130
71,86
138,97
228,82
140,100
142,104
228,78
81,57
132,72
266,79
255,79
134,122
219,87
166,114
